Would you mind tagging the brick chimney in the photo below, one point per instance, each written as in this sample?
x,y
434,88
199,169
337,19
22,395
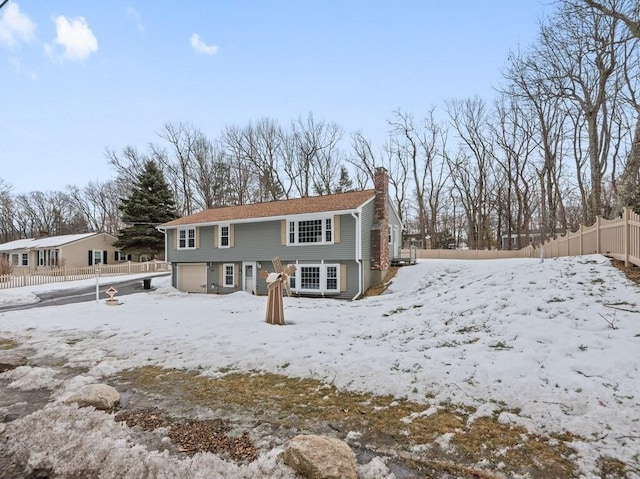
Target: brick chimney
x,y
380,260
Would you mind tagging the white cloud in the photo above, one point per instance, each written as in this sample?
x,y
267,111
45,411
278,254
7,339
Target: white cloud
x,y
15,26
75,37
201,47
134,17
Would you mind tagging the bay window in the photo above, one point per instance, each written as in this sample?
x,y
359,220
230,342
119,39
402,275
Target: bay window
x,y
315,278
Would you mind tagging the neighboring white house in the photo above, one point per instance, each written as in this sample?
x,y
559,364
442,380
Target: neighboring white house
x,y
74,250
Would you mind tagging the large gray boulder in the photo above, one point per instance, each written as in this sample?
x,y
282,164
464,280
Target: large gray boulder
x,y
10,359
100,396
319,457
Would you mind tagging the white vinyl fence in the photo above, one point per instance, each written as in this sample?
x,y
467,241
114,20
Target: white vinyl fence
x,y
55,275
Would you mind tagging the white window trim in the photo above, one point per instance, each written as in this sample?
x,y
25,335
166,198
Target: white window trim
x,y
224,275
323,278
297,220
99,251
122,256
22,258
186,238
228,226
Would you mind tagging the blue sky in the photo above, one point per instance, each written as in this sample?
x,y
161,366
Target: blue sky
x,y
79,77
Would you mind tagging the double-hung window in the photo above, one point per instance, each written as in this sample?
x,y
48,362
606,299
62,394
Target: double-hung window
x,y
332,278
310,231
316,278
25,259
224,236
187,238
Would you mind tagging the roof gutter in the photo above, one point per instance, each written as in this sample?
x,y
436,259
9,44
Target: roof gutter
x,y
357,216
317,214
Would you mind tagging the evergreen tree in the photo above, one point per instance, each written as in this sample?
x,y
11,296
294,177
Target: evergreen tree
x,y
149,204
345,183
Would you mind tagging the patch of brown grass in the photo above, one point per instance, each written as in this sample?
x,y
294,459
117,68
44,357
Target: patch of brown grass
x,y
632,272
6,344
385,423
611,468
379,289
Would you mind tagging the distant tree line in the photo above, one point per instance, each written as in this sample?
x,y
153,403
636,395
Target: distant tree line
x,y
559,145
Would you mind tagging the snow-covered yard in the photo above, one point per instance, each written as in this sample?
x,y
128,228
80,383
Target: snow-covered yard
x,y
557,341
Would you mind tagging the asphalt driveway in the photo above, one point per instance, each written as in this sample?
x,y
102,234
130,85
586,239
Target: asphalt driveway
x,y
88,293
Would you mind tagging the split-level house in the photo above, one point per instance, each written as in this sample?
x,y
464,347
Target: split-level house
x,y
74,250
341,244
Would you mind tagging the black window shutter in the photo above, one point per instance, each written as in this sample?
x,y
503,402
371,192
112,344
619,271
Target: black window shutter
x,y
105,255
90,258
115,256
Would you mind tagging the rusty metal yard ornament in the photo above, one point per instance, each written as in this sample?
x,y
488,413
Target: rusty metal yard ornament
x,y
276,282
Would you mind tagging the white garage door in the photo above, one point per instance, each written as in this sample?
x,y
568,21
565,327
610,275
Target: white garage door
x,y
192,278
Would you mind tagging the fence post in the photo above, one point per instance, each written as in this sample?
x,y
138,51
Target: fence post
x,y
581,240
597,234
626,216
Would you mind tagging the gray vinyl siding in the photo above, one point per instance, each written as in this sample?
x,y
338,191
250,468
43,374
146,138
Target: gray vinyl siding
x,y
256,241
367,222
352,280
213,275
261,242
261,286
393,218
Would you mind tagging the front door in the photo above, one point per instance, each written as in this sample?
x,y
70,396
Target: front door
x,y
249,276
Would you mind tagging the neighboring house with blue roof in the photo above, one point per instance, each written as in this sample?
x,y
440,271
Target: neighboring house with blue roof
x,y
75,250
341,244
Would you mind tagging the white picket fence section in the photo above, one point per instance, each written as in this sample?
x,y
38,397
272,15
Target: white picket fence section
x,y
28,277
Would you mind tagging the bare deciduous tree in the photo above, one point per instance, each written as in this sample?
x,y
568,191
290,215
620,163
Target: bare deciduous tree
x,y
581,50
472,168
627,12
315,165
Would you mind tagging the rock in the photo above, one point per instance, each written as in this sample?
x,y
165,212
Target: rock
x,y
319,457
100,396
11,417
10,360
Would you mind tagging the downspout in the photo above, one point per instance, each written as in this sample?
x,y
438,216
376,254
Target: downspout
x,y
164,230
358,252
166,250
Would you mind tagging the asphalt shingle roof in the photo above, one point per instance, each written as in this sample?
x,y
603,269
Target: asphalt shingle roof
x,y
311,204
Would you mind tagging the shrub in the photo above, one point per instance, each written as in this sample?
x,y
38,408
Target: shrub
x,y
5,267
